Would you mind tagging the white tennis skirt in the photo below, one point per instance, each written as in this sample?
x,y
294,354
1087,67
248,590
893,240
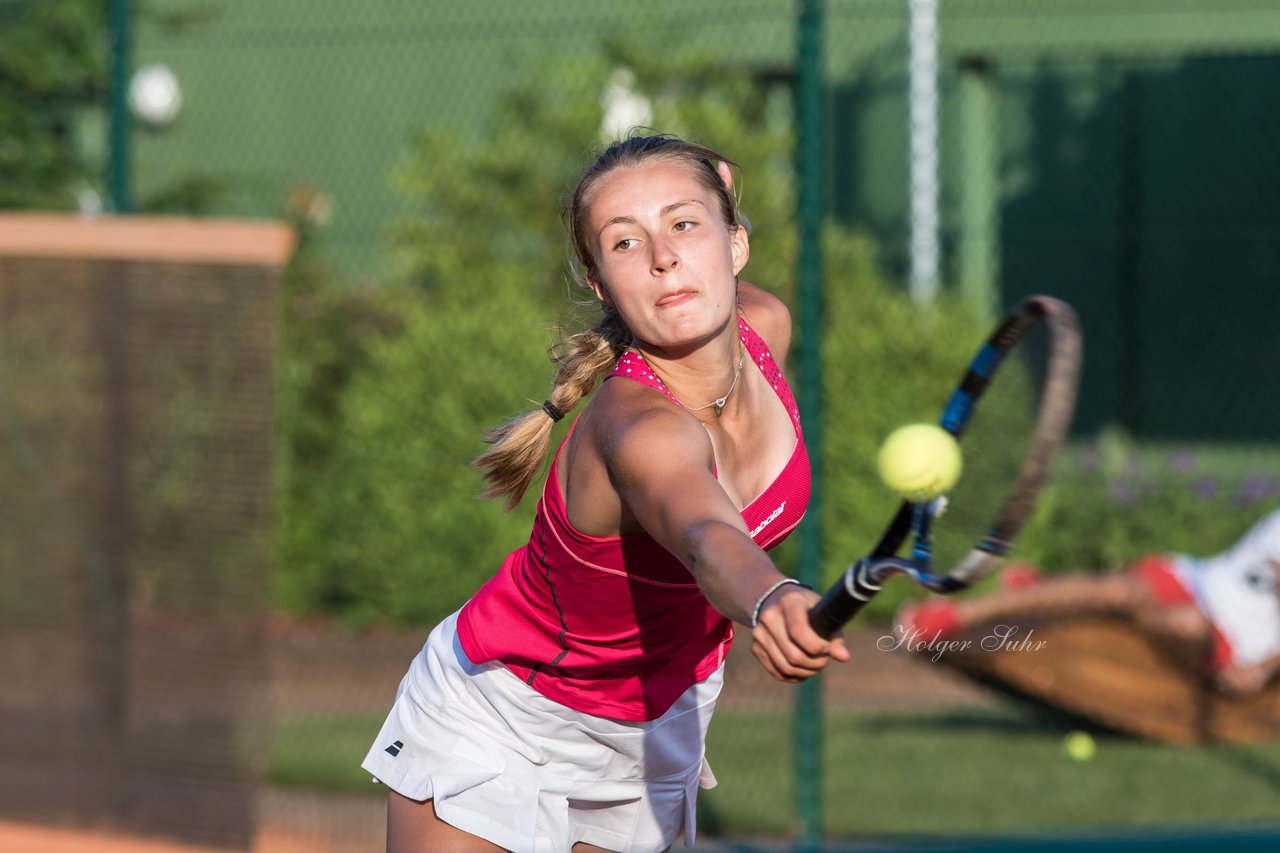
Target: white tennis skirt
x,y
505,763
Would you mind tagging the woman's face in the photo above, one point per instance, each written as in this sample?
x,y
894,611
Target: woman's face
x,y
664,256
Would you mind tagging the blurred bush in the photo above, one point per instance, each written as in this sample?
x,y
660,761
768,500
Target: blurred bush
x,y
1112,503
52,69
388,388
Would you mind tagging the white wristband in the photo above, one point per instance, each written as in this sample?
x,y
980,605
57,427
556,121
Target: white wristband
x,y
755,613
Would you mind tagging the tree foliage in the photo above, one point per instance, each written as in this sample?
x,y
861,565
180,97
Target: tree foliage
x,y
52,67
381,516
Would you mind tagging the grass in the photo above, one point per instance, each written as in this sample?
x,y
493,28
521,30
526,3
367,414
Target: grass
x,y
324,753
948,772
977,771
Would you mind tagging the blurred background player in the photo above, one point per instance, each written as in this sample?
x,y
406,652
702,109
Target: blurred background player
x,y
1223,610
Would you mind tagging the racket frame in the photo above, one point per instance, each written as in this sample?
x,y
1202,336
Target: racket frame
x,y
863,579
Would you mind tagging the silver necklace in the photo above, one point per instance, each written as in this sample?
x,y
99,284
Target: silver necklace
x,y
719,402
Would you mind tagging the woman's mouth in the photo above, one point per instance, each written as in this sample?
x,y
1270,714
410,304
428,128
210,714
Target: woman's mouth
x,y
676,297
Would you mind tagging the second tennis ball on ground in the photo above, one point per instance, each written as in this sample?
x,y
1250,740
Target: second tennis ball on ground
x,y
920,461
1079,746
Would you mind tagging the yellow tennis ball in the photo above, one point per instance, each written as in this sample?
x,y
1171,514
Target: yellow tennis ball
x,y
1080,746
920,461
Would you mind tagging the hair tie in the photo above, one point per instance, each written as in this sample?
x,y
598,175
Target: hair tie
x,y
556,414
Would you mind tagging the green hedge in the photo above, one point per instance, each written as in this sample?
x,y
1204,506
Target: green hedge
x,y
386,389
382,522
1114,501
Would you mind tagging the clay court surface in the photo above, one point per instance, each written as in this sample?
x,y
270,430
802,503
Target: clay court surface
x,y
329,671
20,838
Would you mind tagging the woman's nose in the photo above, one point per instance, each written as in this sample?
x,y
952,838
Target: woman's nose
x,y
665,258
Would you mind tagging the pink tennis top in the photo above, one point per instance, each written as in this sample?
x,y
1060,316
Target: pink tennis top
x,y
617,626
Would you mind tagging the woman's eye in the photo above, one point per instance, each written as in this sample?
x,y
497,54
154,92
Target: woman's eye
x,y
685,225
624,244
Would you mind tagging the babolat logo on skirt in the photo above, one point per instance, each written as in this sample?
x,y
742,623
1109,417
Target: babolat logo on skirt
x,y
395,748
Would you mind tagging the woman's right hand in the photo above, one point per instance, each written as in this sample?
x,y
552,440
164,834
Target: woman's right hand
x,y
785,643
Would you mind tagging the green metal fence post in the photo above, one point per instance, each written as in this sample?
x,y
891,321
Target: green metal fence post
x,y
112,635
810,210
977,187
120,151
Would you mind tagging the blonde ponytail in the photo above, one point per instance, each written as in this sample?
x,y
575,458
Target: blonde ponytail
x,y
519,446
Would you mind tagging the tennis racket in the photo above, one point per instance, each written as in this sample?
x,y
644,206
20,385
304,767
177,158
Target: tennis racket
x,y
1010,412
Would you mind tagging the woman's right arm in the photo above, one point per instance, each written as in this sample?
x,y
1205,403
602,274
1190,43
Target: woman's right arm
x,y
661,464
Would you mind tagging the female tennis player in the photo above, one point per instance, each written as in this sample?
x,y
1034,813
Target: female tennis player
x,y
565,706
1224,608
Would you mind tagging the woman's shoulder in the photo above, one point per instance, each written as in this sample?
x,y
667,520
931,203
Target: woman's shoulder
x,y
768,315
631,425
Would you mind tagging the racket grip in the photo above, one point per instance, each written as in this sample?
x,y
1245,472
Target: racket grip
x,y
843,600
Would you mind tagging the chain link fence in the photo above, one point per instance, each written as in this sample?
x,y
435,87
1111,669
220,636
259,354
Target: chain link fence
x,y
136,418
1121,155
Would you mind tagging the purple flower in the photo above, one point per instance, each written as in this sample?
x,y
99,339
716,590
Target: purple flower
x,y
1183,462
1124,493
1253,488
1206,488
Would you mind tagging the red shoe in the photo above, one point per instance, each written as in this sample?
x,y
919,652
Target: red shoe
x,y
1019,576
929,619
